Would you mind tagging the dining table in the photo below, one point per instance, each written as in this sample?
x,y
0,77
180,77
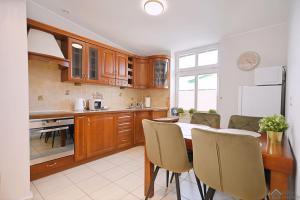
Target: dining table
x,y
277,158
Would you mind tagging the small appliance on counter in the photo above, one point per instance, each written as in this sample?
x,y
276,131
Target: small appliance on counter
x,y
147,102
79,104
95,104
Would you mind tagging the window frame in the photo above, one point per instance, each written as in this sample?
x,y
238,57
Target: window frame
x,y
196,71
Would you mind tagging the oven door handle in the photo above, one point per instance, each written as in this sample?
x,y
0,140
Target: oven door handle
x,y
53,129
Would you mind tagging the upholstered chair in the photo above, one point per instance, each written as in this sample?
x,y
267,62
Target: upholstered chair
x,y
208,119
244,123
230,163
165,148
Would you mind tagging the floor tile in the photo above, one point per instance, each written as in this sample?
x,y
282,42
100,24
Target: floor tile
x,y
69,193
158,193
81,174
110,192
117,159
130,197
52,185
74,169
101,166
115,173
130,182
93,184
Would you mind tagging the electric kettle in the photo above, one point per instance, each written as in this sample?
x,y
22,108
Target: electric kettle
x,y
79,104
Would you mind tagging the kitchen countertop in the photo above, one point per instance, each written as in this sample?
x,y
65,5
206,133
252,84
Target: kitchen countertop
x,y
62,113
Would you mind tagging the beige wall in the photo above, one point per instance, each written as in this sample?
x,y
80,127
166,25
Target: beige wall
x,y
47,92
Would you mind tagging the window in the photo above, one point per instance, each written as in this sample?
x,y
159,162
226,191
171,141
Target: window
x,y
208,58
197,79
187,61
186,89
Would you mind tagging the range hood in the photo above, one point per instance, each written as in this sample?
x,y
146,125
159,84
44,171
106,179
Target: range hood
x,y
43,46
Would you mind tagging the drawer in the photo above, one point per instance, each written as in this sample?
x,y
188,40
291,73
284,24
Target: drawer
x,y
125,140
42,169
125,118
126,125
122,82
128,131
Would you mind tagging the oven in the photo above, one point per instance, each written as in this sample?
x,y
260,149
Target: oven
x,y
51,138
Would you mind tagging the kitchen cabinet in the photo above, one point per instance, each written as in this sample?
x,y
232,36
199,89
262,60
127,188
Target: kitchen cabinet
x,y
140,73
77,55
121,66
159,114
139,137
94,64
124,130
159,72
109,65
80,138
100,134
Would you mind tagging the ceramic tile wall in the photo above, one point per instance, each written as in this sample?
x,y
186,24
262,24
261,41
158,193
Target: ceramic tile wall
x,y
47,92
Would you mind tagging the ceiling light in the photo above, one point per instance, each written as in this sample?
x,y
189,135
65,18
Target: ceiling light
x,y
154,7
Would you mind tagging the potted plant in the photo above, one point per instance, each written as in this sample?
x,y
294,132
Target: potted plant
x,y
192,111
180,112
212,111
274,126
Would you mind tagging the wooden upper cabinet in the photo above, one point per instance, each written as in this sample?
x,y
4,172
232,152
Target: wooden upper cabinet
x,y
77,54
94,64
108,63
159,71
140,73
121,66
100,134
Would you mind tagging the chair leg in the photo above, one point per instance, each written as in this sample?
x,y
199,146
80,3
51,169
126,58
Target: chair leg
x,y
210,194
204,189
152,182
167,178
53,138
172,177
177,186
199,187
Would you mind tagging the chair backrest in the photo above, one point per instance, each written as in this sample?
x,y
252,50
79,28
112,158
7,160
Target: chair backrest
x,y
244,123
229,163
208,119
165,146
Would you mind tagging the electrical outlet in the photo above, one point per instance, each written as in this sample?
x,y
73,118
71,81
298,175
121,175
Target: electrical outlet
x,y
40,98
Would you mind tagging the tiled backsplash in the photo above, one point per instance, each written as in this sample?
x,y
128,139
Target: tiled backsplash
x,y
47,92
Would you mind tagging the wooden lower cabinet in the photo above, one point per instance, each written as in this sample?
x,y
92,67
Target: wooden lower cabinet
x,y
125,127
50,167
139,137
80,138
159,114
100,134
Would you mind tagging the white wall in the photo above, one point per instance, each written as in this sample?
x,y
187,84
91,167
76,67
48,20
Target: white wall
x,y
269,42
44,15
14,142
293,83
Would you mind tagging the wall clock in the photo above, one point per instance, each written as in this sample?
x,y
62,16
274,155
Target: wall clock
x,y
248,61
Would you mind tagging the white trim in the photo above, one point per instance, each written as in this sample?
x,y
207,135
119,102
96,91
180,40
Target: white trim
x,y
195,71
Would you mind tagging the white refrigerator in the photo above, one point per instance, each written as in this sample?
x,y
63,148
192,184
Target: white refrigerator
x,y
267,97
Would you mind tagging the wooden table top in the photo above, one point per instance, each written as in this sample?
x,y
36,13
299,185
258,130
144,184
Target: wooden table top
x,y
276,156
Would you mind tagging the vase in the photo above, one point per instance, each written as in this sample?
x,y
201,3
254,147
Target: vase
x,y
274,137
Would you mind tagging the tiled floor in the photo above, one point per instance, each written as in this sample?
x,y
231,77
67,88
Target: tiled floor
x,y
117,177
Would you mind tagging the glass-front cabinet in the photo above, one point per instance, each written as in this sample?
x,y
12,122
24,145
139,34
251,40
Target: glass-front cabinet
x,y
93,63
160,70
77,56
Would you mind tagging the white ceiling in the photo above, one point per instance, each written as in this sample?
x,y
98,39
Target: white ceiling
x,y
185,24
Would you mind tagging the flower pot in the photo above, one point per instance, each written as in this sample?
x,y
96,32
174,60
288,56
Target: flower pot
x,y
274,137
180,114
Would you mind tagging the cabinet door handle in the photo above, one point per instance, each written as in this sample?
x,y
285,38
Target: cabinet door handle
x,y
51,165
